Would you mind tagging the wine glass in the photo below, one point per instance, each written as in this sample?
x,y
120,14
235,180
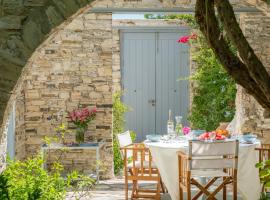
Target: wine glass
x,y
212,136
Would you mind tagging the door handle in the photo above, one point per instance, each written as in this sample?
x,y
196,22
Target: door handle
x,y
152,101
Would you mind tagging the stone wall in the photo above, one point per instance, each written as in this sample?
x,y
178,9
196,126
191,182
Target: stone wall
x,y
72,67
250,116
84,160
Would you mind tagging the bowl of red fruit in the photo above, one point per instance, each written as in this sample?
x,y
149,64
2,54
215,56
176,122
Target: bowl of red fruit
x,y
211,136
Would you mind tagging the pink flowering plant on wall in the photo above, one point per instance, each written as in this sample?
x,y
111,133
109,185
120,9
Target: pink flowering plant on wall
x,y
81,118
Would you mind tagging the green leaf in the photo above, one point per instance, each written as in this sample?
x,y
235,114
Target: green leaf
x,y
259,165
264,173
267,162
267,184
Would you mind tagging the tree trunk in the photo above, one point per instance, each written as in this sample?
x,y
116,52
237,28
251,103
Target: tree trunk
x,y
250,72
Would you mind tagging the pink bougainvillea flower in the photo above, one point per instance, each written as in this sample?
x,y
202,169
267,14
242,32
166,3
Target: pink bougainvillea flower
x,y
186,130
187,38
184,39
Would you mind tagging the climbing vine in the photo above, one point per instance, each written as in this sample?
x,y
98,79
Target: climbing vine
x,y
119,110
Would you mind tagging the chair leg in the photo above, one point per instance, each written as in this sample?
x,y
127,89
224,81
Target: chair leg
x,y
162,187
235,185
188,186
134,188
224,191
126,188
181,193
158,190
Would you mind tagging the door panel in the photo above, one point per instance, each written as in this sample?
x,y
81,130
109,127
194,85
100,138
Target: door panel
x,y
171,93
139,81
152,62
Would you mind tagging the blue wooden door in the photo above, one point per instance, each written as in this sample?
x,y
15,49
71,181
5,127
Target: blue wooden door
x,y
152,62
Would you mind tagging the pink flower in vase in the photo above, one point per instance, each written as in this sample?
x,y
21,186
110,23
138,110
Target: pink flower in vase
x,y
186,130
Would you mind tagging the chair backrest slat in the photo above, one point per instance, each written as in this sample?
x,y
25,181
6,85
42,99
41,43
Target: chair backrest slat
x,y
124,139
213,155
201,148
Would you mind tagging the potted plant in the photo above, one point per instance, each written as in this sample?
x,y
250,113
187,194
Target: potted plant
x,y
81,118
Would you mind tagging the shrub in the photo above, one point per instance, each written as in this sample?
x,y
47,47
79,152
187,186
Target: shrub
x,y
119,109
4,188
264,168
214,92
27,180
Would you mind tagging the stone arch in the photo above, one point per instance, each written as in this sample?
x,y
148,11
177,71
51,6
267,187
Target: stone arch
x,y
77,55
65,63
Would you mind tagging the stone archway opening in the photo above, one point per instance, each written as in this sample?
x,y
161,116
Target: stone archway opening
x,y
78,63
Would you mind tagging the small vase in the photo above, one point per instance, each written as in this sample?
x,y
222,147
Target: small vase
x,y
80,135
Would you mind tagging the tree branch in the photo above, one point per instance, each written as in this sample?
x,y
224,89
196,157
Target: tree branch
x,y
209,26
255,67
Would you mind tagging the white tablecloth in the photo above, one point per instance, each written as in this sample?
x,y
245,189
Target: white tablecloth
x,y
165,157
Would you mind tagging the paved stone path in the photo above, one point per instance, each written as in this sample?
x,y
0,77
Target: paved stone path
x,y
114,190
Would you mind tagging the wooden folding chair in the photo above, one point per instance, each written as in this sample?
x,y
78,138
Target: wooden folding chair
x,y
214,160
264,152
138,166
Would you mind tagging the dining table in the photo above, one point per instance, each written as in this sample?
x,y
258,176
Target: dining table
x,y
165,156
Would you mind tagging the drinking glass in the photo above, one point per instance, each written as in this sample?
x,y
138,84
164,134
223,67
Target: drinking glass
x,y
212,136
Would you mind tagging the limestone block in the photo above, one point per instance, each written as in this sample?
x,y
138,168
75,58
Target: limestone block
x,y
32,94
10,22
32,34
53,16
106,16
90,16
37,102
64,95
13,7
34,3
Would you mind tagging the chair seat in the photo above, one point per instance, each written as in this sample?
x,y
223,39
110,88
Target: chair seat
x,y
208,173
145,165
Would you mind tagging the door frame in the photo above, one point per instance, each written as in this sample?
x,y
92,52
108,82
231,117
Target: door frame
x,y
146,29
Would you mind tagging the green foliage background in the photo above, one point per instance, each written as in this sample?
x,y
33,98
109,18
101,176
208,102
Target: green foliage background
x,y
214,90
119,109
